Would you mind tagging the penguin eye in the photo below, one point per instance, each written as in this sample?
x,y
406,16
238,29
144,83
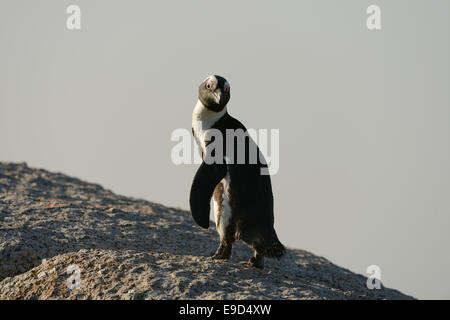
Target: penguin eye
x,y
210,85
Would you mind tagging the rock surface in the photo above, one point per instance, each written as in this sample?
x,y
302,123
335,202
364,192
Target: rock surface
x,y
124,248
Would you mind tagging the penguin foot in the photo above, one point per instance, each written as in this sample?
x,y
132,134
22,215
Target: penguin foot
x,y
217,256
257,261
222,253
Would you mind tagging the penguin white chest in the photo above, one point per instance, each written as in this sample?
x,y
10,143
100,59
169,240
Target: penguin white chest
x,y
203,119
222,207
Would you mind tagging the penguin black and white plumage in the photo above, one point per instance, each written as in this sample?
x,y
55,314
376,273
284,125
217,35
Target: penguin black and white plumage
x,y
242,196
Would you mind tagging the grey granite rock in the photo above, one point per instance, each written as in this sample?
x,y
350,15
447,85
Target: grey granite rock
x,y
127,248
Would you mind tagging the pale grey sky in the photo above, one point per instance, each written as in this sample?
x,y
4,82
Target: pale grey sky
x,y
364,116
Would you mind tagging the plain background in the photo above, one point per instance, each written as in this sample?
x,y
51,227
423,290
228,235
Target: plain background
x,y
363,115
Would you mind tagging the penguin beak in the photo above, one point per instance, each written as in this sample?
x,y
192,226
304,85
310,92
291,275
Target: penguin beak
x,y
217,96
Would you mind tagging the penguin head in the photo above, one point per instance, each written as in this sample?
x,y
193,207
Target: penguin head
x,y
214,93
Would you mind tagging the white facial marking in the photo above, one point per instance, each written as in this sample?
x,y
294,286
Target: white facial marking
x,y
211,78
217,95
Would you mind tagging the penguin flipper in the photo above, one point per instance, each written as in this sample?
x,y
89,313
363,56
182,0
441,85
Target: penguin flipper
x,y
205,181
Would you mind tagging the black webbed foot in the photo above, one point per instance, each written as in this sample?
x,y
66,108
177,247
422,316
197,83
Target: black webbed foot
x,y
257,261
223,252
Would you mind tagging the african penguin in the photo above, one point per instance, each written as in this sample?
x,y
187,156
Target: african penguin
x,y
242,196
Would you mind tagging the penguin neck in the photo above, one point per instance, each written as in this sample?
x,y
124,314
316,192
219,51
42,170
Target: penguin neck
x,y
206,116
